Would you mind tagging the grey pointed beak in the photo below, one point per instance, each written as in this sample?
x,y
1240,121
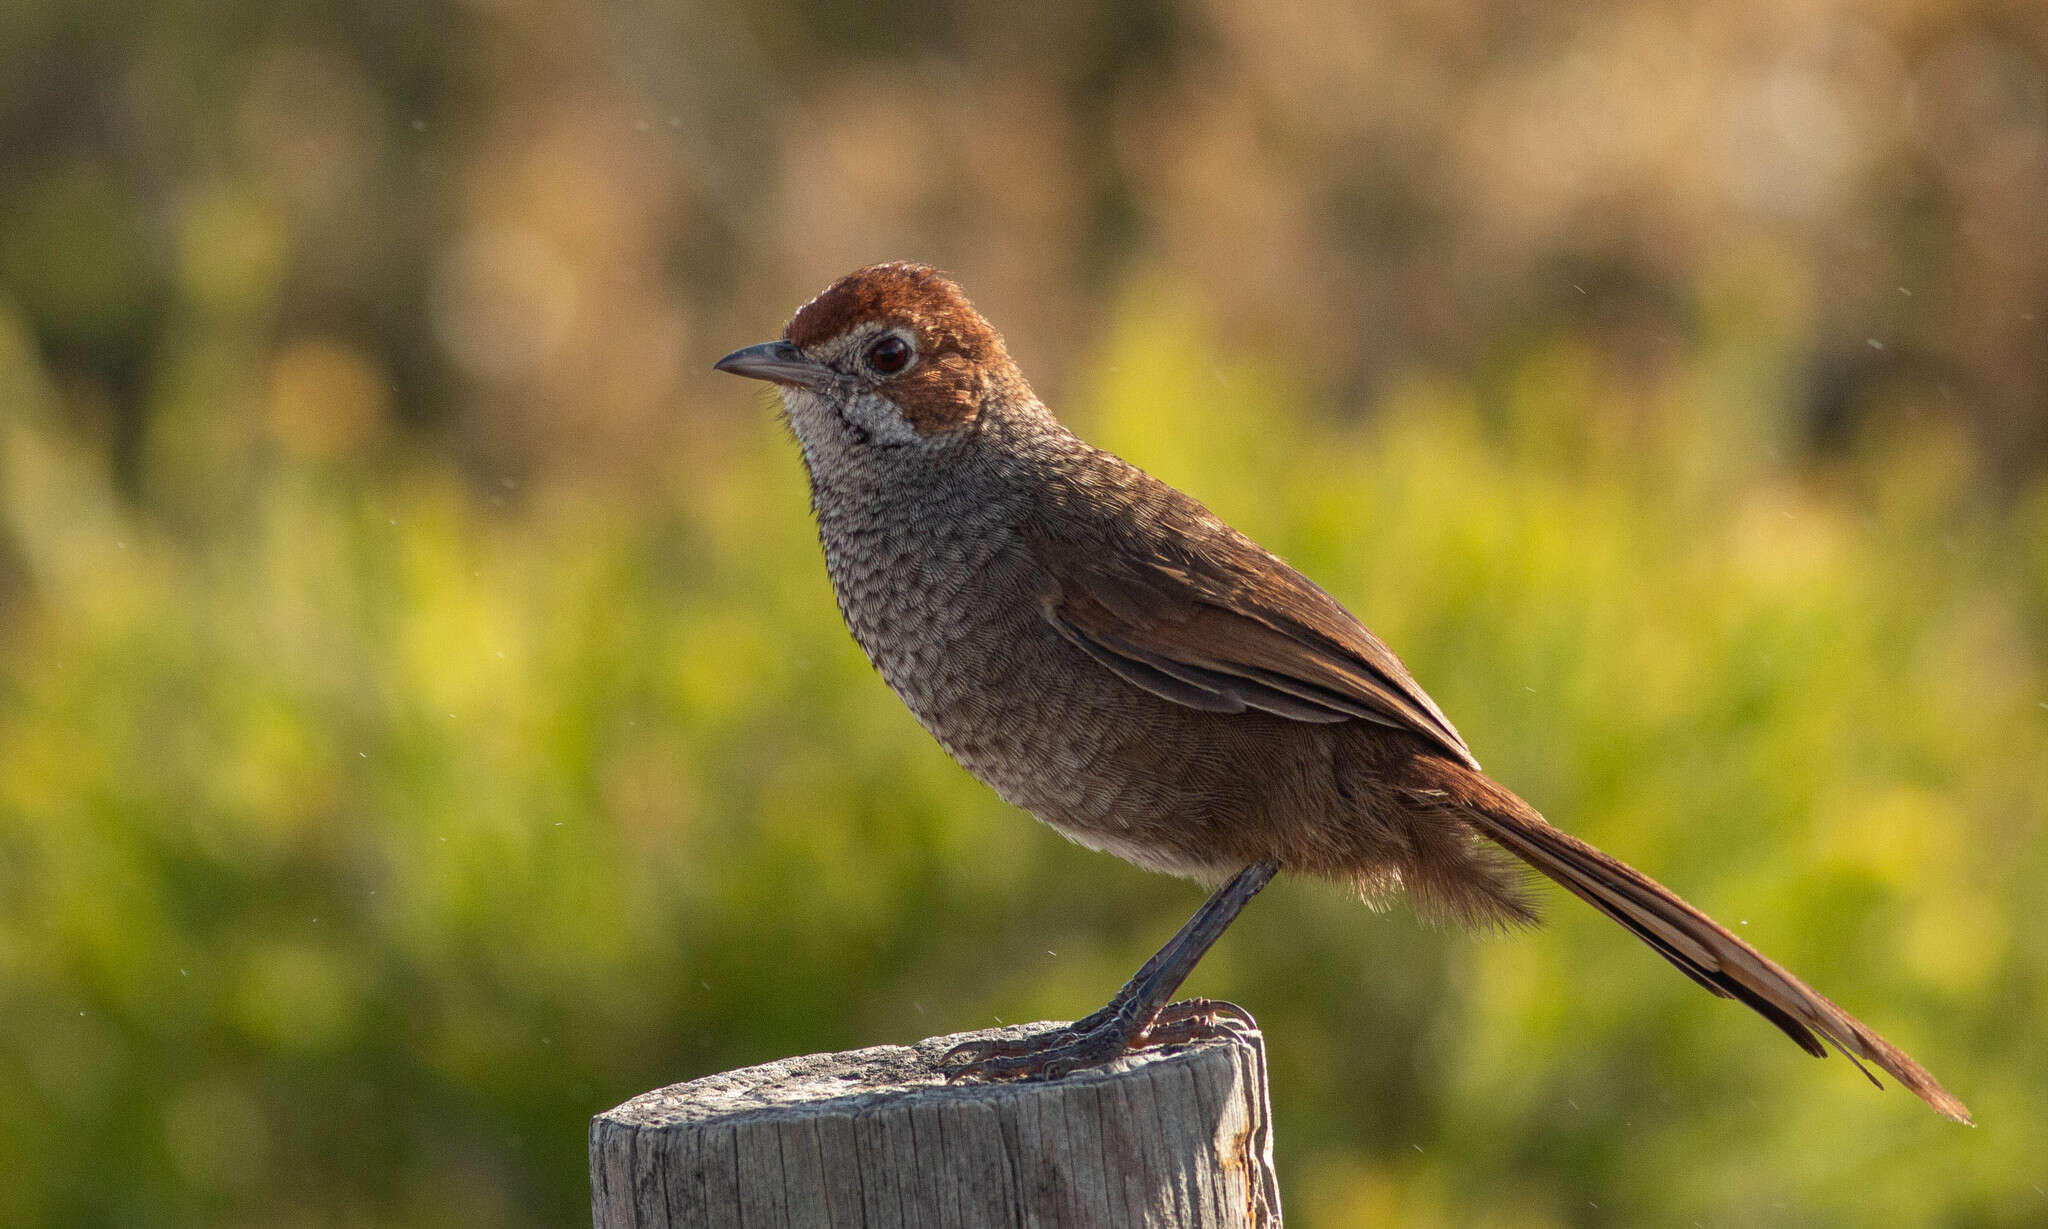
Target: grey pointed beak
x,y
777,362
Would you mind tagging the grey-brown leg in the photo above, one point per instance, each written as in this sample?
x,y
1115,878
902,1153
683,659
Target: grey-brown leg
x,y
1132,1018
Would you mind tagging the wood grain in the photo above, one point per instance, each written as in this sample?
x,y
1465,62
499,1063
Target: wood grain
x,y
1178,1138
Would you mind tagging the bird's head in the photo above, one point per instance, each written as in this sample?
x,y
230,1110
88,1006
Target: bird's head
x,y
888,358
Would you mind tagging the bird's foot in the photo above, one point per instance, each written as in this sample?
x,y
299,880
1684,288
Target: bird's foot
x,y
1106,1035
1193,1020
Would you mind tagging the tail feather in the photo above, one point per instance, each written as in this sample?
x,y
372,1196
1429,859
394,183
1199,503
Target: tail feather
x,y
1698,946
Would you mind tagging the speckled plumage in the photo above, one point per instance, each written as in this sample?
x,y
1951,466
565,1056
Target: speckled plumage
x,y
1112,657
933,549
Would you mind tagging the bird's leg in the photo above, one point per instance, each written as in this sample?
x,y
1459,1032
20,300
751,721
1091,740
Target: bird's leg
x,y
1137,1015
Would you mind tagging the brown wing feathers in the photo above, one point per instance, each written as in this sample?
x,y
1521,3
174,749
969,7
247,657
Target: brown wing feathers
x,y
1220,677
1206,618
1281,645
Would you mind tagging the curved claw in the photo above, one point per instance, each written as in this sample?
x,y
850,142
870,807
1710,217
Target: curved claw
x,y
1194,1020
990,1068
972,1052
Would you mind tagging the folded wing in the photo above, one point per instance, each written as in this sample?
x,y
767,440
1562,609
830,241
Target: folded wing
x,y
1202,616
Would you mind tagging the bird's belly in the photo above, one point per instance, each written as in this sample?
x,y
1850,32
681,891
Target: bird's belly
x,y
1109,766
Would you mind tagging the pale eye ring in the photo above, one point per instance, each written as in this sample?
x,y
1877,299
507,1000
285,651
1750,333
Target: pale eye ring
x,y
890,354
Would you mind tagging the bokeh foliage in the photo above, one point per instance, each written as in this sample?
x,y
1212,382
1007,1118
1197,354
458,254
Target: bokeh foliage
x,y
424,721
358,849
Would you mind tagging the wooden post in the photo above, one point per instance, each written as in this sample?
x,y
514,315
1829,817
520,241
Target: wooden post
x,y
1177,1138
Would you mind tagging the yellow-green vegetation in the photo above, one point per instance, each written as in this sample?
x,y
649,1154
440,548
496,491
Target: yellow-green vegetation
x,y
365,826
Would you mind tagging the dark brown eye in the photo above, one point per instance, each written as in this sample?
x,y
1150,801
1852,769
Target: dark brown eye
x,y
889,355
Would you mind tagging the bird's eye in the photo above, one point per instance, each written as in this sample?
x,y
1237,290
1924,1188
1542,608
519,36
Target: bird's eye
x,y
889,355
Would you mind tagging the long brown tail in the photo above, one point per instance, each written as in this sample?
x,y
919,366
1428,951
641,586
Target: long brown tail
x,y
1702,948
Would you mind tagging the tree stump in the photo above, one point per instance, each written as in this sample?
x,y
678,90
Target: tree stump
x,y
1178,1138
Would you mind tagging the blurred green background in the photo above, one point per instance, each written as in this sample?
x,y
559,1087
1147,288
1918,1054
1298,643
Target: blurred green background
x,y
424,720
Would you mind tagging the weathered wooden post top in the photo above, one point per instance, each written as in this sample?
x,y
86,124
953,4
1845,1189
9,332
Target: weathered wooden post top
x,y
1178,1137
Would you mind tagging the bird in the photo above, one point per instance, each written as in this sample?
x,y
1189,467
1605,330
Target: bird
x,y
1110,656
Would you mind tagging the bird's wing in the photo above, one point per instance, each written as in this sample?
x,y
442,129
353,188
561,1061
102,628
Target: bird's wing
x,y
1178,603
